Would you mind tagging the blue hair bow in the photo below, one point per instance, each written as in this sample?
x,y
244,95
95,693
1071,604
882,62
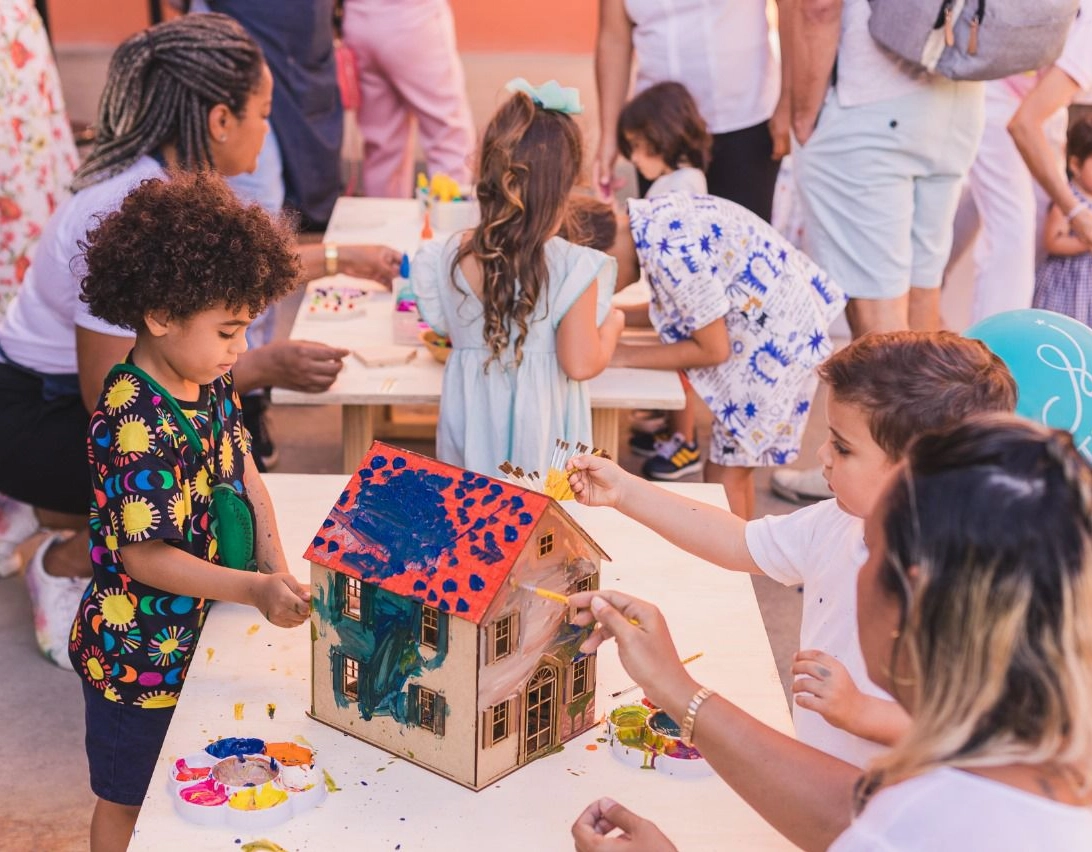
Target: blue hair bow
x,y
550,95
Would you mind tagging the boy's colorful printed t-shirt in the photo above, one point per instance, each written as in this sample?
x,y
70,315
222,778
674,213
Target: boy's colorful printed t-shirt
x,y
708,259
132,641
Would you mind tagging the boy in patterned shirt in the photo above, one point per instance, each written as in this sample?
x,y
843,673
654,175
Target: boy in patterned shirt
x,y
187,267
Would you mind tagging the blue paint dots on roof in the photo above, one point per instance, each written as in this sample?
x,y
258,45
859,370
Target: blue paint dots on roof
x,y
432,596
332,546
318,541
365,474
469,501
526,518
453,561
476,583
327,523
419,585
444,606
510,533
378,462
517,502
481,482
398,463
450,585
459,494
461,606
496,488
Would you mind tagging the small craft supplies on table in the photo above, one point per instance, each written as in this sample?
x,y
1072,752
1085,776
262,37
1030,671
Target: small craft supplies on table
x,y
364,392
377,801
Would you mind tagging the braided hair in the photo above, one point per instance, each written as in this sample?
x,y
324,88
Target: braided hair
x,y
160,87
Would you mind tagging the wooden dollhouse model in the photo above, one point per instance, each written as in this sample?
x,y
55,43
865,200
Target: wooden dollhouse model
x,y
428,637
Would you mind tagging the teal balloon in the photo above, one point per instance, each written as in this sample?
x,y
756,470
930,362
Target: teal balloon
x,y
1050,357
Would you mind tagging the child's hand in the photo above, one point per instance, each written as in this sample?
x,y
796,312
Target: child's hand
x,y
602,817
282,599
596,481
613,325
824,685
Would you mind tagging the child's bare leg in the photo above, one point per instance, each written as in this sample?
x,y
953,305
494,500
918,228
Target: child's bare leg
x,y
112,826
739,487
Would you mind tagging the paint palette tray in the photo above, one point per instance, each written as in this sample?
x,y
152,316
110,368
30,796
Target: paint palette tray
x,y
339,296
645,737
246,783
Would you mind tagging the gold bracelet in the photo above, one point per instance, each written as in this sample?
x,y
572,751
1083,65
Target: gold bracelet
x,y
686,730
329,251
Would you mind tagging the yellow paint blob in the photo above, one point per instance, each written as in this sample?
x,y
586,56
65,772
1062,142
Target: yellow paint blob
x,y
133,437
331,784
257,798
118,609
238,711
250,631
262,846
208,655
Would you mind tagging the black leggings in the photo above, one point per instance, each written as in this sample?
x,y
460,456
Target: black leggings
x,y
741,169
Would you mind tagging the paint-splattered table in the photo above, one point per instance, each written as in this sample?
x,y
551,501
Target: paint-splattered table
x,y
250,679
364,392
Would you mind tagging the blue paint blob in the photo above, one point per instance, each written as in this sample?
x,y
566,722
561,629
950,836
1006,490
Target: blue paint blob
x,y
510,533
481,482
398,463
517,502
365,474
468,502
318,541
235,746
432,596
332,546
450,585
419,585
526,518
459,494
378,462
453,561
476,583
461,606
326,524
444,606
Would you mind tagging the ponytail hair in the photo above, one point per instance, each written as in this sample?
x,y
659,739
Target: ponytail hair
x,y
161,85
529,162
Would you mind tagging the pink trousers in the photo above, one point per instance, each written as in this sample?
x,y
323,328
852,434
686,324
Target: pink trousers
x,y
409,71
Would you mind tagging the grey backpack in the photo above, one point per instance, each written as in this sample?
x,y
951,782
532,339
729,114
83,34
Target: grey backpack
x,y
973,39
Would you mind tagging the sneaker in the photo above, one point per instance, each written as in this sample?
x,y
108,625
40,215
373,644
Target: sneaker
x,y
256,420
676,459
55,601
648,444
17,523
800,486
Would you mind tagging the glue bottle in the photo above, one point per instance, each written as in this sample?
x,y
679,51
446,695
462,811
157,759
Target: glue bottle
x,y
406,316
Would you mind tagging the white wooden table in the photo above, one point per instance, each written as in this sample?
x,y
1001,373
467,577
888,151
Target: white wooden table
x,y
363,392
383,802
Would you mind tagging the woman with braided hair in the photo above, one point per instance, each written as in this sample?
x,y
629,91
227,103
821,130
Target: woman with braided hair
x,y
189,94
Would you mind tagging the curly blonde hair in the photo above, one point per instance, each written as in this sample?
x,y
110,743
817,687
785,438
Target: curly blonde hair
x,y
995,518
529,162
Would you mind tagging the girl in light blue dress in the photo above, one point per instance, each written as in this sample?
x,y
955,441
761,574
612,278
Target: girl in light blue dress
x,y
528,313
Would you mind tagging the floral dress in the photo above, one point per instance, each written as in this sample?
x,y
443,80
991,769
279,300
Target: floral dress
x,y
37,154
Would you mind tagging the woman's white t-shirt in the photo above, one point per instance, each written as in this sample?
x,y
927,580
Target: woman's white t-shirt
x,y
948,810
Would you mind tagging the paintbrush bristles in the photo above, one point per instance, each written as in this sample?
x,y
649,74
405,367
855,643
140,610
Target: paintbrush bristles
x,y
556,482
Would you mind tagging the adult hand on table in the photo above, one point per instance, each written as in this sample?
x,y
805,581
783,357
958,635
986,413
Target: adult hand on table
x,y
299,365
380,263
602,817
645,646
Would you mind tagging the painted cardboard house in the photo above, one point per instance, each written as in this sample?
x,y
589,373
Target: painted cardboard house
x,y
425,641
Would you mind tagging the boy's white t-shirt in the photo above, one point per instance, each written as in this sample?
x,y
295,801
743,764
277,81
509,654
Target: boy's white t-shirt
x,y
822,547
684,179
948,810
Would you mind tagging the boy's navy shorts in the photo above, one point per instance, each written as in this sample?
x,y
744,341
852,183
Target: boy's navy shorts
x,y
123,745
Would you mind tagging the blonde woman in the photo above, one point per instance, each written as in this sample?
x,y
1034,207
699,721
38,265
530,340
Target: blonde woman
x,y
975,611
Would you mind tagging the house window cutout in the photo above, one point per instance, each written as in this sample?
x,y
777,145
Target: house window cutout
x,y
497,723
350,677
583,677
430,709
353,590
546,544
587,583
430,627
541,712
504,638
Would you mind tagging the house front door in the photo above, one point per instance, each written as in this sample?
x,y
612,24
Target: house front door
x,y
541,727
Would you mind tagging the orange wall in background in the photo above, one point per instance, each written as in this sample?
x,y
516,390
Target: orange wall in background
x,y
489,26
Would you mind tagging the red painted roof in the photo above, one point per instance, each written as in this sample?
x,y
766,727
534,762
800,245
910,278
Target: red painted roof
x,y
432,531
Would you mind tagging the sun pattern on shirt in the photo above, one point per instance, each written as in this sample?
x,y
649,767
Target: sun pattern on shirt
x,y
121,394
242,437
132,438
156,700
179,508
94,665
117,608
227,455
201,487
166,427
139,518
169,645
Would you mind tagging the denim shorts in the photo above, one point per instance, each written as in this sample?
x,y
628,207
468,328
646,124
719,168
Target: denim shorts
x,y
123,745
